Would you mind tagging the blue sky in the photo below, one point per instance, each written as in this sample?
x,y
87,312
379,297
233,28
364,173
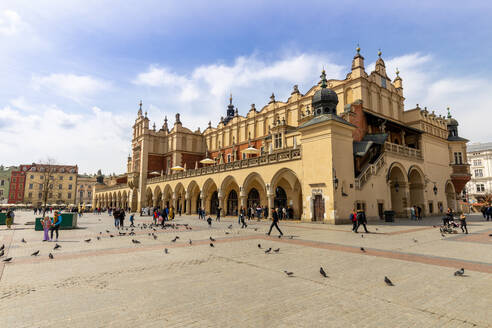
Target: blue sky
x,y
74,71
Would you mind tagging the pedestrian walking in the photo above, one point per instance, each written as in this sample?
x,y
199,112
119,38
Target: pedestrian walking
x,y
463,223
55,224
243,219
413,213
419,213
132,219
218,214
361,220
46,222
275,222
116,219
353,218
121,217
10,218
209,221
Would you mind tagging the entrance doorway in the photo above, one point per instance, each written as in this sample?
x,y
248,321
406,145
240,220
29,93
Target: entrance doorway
x,y
318,208
253,198
232,203
214,203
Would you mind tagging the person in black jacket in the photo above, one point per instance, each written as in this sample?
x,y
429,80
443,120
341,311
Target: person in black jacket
x,y
121,216
275,222
361,220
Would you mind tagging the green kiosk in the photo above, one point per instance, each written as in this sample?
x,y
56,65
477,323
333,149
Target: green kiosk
x,y
69,221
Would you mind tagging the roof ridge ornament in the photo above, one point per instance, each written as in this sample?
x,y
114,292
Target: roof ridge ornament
x,y
379,53
323,79
449,113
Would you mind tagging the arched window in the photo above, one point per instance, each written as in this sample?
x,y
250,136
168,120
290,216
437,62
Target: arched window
x,y
214,203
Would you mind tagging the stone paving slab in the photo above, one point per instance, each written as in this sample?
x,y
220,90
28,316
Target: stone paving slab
x,y
114,283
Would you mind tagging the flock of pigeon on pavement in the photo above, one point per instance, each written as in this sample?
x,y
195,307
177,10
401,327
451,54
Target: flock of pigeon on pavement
x,y
152,227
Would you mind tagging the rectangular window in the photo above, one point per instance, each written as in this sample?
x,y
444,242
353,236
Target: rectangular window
x,y
30,186
14,180
1,192
458,159
30,195
70,187
360,206
477,162
59,187
81,194
51,186
278,140
89,194
383,82
244,156
69,195
61,177
59,195
40,195
228,158
41,177
51,195
2,182
480,188
478,173
32,176
431,207
70,178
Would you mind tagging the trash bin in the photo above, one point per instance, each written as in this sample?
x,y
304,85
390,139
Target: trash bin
x,y
389,216
3,218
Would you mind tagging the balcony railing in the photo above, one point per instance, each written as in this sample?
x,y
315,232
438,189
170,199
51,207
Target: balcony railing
x,y
461,169
402,150
276,157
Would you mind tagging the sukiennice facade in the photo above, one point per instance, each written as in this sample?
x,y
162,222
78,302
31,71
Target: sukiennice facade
x,y
343,144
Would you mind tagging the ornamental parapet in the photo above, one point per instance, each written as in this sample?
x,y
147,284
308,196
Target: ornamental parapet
x,y
111,188
267,159
403,150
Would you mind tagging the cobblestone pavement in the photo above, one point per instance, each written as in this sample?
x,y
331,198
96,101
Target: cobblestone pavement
x,y
113,282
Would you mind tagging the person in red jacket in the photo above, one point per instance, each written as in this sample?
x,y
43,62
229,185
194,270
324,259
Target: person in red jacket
x,y
353,218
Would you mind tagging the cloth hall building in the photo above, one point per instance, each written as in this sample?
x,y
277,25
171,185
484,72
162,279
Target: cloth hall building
x,y
344,144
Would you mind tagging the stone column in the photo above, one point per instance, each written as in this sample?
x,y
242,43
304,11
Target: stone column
x,y
242,198
270,197
220,195
188,203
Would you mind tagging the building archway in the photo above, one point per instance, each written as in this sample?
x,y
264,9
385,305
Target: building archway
x,y
286,191
180,194
450,196
158,197
416,185
148,198
253,198
232,203
167,196
214,202
398,185
193,193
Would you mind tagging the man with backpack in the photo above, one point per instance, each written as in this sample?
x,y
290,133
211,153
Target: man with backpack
x,y
361,220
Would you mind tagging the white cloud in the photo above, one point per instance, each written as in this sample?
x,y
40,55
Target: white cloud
x,y
10,23
93,140
75,87
202,94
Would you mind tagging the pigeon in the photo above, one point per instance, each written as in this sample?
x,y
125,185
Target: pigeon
x,y
291,237
490,235
276,250
100,232
227,232
387,281
1,248
230,227
149,233
155,237
122,233
166,251
256,229
131,234
289,274
460,272
190,242
23,240
8,259
361,236
2,252
212,245
111,236
107,231
362,249
35,253
174,240
268,250
135,241
211,239
377,229
259,245
415,240
57,246
279,236
51,256
177,237
98,238
88,240
443,235
322,272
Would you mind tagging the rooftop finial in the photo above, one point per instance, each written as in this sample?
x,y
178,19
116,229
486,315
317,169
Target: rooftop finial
x,y
379,53
140,104
230,99
323,78
449,113
358,48
272,98
397,72
165,119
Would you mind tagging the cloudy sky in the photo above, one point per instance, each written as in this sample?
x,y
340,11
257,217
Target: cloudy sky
x,y
73,72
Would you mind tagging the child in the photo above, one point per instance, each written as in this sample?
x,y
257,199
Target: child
x,y
209,220
46,222
132,217
463,223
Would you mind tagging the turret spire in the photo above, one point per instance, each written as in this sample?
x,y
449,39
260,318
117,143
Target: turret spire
x,y
140,108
